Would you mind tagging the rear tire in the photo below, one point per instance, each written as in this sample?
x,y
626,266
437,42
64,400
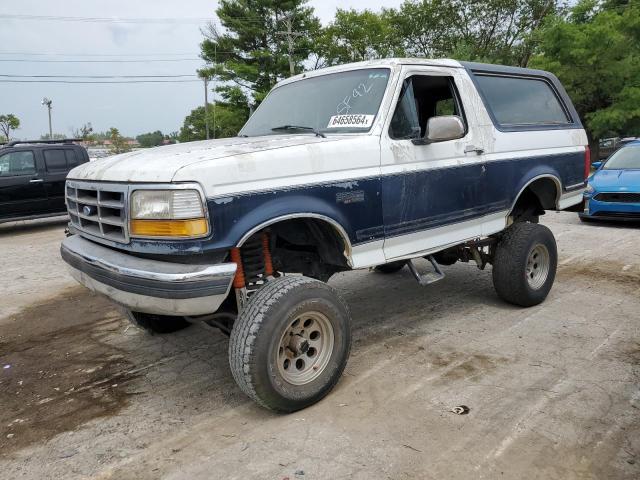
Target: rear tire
x,y
391,267
159,324
290,344
525,263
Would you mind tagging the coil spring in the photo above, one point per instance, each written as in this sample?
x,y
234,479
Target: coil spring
x,y
253,260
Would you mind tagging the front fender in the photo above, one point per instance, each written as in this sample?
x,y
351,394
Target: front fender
x,y
233,218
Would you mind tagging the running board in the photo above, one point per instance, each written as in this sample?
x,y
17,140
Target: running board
x,y
429,277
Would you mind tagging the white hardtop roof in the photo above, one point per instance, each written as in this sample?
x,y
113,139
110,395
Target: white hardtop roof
x,y
385,62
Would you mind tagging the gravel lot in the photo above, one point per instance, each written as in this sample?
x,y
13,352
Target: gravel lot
x,y
553,391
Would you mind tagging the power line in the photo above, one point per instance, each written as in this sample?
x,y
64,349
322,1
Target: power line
x,y
187,20
98,54
96,76
143,20
24,60
98,81
152,60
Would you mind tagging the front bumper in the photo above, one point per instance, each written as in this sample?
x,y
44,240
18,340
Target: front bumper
x,y
148,286
620,211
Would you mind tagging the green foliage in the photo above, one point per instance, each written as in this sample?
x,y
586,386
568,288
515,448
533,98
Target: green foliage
x,y
355,36
494,31
250,52
595,51
84,132
8,122
593,47
118,142
56,136
151,139
225,118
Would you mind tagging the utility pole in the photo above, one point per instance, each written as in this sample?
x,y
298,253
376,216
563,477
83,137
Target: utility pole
x,y
291,36
206,105
205,75
47,102
215,60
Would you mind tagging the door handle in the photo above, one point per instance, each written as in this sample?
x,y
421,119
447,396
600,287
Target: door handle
x,y
472,148
36,180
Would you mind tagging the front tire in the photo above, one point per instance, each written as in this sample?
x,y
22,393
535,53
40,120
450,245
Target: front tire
x,y
525,263
290,344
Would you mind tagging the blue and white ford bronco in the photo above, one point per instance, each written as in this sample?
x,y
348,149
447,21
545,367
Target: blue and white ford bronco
x,y
367,165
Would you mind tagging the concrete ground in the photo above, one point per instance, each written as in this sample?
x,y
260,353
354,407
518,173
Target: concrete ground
x,y
553,391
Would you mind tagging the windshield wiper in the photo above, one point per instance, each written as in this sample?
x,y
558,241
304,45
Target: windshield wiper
x,y
300,127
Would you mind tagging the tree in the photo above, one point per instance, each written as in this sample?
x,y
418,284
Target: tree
x,y
494,31
225,118
252,52
84,132
56,136
7,123
118,142
151,139
595,51
355,36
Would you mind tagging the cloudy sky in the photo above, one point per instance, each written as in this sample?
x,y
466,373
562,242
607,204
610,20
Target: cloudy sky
x,y
44,47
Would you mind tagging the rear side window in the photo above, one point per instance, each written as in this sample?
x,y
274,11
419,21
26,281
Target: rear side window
x,y
522,101
60,160
17,163
72,158
55,160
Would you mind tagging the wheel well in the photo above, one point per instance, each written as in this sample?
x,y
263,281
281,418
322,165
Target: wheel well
x,y
535,198
311,246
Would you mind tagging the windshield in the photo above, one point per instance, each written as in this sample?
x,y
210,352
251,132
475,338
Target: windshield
x,y
625,158
344,102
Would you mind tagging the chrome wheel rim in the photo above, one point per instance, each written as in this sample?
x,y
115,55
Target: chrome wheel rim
x,y
538,263
305,348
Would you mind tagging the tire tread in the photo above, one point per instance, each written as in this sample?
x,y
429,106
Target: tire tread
x,y
249,321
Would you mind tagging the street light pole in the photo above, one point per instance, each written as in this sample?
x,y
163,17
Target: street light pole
x,y
47,102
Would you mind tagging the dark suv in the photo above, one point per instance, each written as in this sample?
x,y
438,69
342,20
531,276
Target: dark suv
x,y
32,176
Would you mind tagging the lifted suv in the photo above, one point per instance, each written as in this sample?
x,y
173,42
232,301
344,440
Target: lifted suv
x,y
372,164
32,176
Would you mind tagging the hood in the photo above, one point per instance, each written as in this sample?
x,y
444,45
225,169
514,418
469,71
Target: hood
x,y
616,180
160,164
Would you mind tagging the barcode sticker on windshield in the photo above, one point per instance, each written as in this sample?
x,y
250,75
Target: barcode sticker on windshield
x,y
350,121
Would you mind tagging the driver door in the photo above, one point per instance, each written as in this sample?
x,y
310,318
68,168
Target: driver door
x,y
432,194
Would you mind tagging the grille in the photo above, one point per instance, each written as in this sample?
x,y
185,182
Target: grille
x,y
98,209
617,214
618,197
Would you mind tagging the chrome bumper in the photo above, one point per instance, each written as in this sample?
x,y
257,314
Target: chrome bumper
x,y
148,286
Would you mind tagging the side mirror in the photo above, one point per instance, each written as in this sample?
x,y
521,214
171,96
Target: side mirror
x,y
441,129
596,165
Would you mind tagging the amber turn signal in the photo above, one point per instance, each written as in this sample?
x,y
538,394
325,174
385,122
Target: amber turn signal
x,y
169,228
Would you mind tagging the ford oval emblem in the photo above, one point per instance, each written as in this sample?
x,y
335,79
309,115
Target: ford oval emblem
x,y
88,210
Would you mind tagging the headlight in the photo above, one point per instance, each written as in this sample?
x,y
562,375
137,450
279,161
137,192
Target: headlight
x,y
590,188
167,213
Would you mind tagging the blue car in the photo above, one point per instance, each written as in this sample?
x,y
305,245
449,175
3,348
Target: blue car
x,y
613,191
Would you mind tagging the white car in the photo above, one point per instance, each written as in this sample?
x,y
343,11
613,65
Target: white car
x,y
371,164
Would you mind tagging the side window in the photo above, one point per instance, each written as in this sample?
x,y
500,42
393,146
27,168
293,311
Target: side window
x,y
55,161
522,101
17,163
72,158
423,97
404,123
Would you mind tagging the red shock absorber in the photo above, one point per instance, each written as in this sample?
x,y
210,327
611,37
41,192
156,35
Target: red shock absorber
x,y
266,253
238,280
